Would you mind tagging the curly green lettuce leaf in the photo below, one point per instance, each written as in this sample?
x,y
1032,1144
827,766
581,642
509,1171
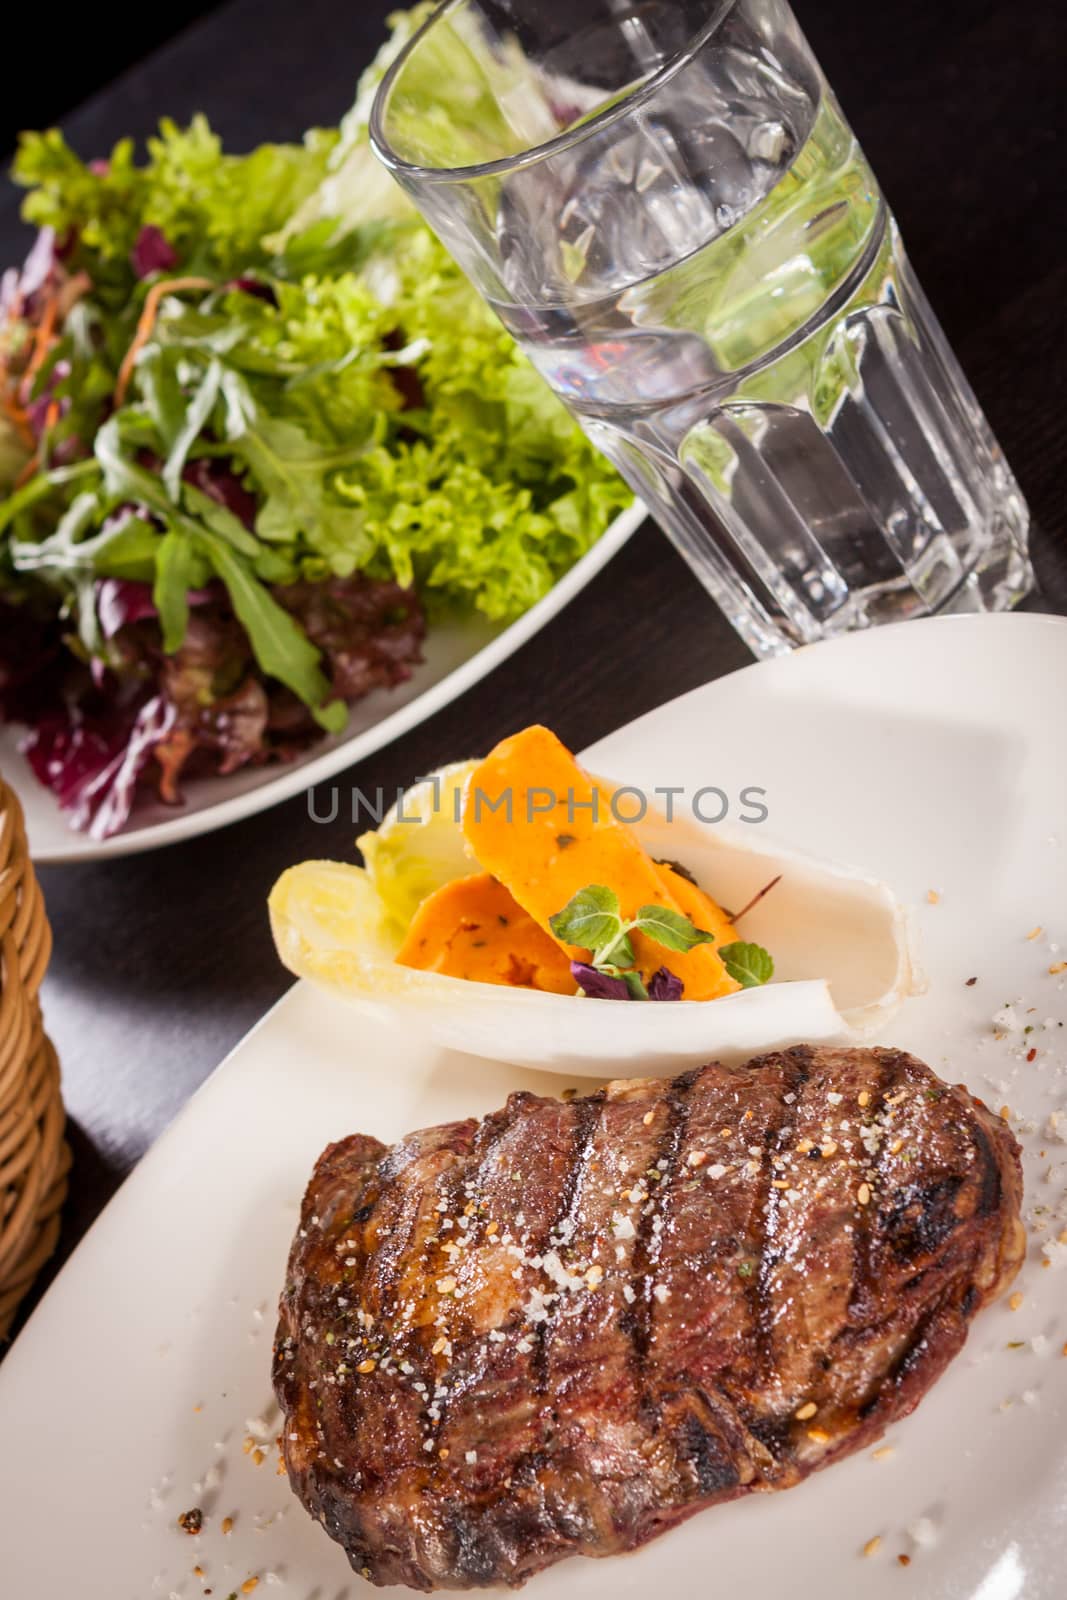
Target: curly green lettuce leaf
x,y
212,208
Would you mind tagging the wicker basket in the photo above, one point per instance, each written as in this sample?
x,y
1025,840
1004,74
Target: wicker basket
x,y
34,1158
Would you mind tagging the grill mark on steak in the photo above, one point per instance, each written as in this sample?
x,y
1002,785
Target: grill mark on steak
x,y
587,1116
640,1415
484,1158
992,1189
908,1359
794,1075
864,1270
647,1243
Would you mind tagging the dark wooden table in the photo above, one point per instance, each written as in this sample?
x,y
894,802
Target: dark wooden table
x,y
163,961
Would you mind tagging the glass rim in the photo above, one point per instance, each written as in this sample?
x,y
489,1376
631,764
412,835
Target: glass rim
x,y
614,112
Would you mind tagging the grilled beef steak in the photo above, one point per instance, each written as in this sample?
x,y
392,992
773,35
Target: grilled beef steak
x,y
561,1330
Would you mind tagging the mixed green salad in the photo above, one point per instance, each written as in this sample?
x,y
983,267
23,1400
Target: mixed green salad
x,y
256,428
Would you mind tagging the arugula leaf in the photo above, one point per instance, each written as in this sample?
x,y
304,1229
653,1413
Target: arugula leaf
x,y
63,549
749,964
198,410
127,549
670,928
40,487
221,520
157,378
176,562
281,648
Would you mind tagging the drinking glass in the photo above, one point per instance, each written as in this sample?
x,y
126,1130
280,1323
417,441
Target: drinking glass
x,y
665,206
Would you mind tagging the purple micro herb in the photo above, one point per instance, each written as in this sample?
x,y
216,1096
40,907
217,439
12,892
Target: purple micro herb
x,y
599,985
664,985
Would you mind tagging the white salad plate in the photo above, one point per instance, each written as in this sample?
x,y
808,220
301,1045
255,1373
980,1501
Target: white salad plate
x,y
929,754
457,654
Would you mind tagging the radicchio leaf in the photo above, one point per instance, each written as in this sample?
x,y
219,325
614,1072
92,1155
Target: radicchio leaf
x,y
120,601
598,985
220,483
153,252
665,985
257,289
31,662
92,766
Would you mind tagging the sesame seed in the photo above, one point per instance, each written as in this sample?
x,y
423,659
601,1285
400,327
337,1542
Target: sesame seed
x,y
883,1453
863,1194
1035,933
864,1097
872,1547
932,897
648,1117
806,1411
828,1148
696,1158
445,1285
1016,1301
895,1099
367,1366
249,1585
226,1524
444,1452
819,1435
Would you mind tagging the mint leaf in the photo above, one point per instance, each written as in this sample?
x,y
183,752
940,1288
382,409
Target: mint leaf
x,y
749,964
591,920
670,928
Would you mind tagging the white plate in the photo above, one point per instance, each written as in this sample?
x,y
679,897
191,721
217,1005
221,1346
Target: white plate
x,y
930,753
457,656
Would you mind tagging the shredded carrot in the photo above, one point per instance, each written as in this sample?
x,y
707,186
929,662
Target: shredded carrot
x,y
27,471
147,322
42,343
17,416
51,417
